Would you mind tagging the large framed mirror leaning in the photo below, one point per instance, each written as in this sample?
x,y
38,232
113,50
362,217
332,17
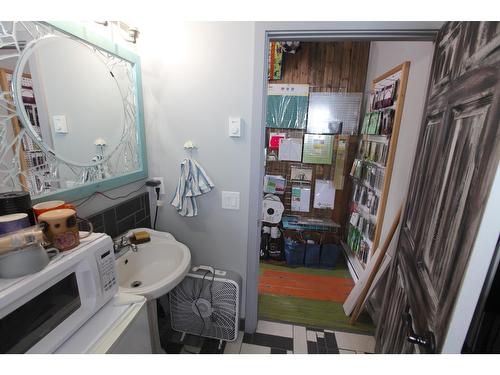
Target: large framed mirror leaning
x,y
71,114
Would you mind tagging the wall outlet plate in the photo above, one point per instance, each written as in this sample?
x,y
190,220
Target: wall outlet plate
x,y
60,124
162,184
231,200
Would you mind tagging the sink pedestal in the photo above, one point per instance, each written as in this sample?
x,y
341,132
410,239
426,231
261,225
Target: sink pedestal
x,y
153,327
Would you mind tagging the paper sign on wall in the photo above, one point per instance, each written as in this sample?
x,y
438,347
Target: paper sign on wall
x,y
318,149
324,194
300,173
274,184
301,197
290,149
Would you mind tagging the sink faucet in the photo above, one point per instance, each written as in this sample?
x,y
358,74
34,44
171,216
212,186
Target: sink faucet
x,y
123,243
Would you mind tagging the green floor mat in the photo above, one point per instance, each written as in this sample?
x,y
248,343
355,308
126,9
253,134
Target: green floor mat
x,y
311,313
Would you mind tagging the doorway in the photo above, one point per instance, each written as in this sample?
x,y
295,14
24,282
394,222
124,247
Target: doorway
x,y
279,270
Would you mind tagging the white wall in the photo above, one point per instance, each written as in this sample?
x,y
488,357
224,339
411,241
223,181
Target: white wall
x,y
480,259
384,56
195,76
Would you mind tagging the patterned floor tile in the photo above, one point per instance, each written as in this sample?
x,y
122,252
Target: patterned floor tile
x,y
344,351
254,349
274,338
311,335
278,351
355,342
312,347
331,343
275,329
299,340
270,341
321,344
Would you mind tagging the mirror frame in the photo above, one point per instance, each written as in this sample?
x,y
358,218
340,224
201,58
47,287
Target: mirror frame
x,y
82,33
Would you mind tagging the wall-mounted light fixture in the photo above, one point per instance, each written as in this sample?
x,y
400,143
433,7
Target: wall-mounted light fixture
x,y
129,33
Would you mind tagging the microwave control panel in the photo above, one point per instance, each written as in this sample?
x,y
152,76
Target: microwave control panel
x,y
106,265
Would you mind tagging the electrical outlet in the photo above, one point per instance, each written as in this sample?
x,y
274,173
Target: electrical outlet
x,y
162,185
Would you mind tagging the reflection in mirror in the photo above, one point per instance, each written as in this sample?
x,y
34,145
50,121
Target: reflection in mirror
x,y
67,111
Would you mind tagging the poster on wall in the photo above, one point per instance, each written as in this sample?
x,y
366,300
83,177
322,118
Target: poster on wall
x,y
324,194
275,66
287,106
290,149
318,149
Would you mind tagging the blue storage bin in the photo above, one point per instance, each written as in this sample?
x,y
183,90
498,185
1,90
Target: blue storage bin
x,y
294,252
312,255
329,254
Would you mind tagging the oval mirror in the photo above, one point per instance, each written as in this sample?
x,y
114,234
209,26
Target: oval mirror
x,y
80,115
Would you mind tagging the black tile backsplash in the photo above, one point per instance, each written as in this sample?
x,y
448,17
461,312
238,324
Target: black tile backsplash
x,y
116,220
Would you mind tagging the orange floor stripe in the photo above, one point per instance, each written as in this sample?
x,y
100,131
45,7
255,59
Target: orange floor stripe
x,y
324,288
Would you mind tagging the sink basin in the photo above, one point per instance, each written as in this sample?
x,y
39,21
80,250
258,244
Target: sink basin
x,y
156,268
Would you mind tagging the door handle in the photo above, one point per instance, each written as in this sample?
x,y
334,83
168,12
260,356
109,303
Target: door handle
x,y
427,341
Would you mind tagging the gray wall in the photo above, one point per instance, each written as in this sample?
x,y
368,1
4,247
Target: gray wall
x,y
193,80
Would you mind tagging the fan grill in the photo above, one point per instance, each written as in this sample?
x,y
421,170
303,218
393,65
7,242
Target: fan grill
x,y
220,296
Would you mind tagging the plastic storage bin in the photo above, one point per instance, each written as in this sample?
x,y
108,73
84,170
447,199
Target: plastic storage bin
x,y
294,252
329,255
312,255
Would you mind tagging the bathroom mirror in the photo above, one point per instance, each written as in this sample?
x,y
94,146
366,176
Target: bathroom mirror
x,y
70,111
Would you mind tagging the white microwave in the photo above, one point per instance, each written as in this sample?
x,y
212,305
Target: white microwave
x,y
39,312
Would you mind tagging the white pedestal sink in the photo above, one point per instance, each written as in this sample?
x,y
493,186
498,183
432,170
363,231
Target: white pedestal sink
x,y
155,269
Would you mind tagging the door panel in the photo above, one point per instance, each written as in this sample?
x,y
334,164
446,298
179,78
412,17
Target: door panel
x,y
479,44
420,186
457,157
392,340
466,125
445,56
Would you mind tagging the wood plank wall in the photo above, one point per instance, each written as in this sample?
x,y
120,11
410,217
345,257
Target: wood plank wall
x,y
326,67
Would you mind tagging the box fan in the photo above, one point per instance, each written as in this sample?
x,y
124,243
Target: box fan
x,y
206,303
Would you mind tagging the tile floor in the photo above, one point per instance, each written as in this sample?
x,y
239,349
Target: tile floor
x,y
274,338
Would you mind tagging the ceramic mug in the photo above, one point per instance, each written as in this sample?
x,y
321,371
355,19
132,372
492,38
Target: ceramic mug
x,y
13,222
60,228
42,207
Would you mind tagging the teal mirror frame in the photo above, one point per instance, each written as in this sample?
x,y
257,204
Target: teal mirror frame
x,y
72,194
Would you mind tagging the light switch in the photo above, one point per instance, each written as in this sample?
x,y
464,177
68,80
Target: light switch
x,y
231,200
60,125
234,126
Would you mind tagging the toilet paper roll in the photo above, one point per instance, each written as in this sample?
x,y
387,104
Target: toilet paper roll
x,y
13,222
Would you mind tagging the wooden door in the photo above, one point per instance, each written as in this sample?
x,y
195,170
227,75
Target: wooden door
x,y
456,160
